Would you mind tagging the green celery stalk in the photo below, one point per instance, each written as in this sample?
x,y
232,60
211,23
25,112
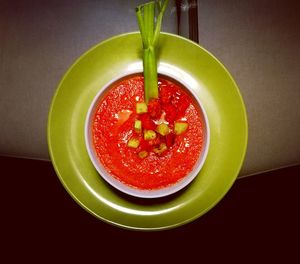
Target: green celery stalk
x,y
150,26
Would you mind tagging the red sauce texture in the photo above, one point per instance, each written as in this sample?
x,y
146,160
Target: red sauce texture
x,y
113,124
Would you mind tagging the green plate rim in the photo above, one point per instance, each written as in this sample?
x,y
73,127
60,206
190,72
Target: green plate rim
x,y
188,220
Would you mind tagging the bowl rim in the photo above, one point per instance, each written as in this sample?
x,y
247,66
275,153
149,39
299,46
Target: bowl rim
x,y
169,72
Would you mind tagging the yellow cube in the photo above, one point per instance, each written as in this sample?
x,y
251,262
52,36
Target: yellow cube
x,y
149,134
133,143
143,154
138,125
141,108
162,147
163,129
180,127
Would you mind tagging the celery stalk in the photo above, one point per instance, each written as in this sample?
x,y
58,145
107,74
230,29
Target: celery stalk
x,y
150,26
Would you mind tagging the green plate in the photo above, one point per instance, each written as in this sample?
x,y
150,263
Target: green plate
x,y
227,119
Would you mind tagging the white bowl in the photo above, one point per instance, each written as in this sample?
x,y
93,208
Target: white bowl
x,y
186,81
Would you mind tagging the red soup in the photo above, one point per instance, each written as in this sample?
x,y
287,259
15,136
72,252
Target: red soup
x,y
147,146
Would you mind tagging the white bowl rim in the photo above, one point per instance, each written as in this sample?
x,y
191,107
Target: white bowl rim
x,y
173,73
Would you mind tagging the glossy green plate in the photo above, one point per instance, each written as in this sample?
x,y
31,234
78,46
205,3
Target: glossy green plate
x,y
227,119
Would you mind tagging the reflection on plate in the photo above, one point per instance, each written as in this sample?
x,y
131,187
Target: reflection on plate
x,y
215,88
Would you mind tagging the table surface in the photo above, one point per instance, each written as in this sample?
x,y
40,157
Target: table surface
x,y
258,41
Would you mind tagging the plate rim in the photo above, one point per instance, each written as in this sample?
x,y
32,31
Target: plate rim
x,y
71,193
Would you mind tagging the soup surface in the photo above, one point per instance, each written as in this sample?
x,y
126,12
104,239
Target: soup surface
x,y
152,148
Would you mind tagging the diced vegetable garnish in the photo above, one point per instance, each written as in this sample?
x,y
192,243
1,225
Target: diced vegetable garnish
x,y
163,129
180,127
138,125
123,116
143,154
162,147
141,108
149,134
133,143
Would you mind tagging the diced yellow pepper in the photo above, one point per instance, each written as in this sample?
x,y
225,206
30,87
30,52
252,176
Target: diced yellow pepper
x,y
162,147
143,154
141,108
163,129
138,125
133,143
149,134
180,127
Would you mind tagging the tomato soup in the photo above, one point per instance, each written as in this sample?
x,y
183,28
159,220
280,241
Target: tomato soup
x,y
147,146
